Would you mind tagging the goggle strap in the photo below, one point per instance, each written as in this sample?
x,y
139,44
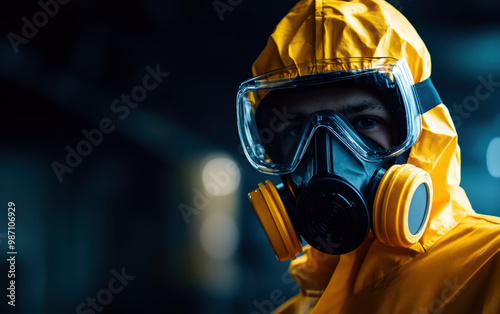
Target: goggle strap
x,y
427,95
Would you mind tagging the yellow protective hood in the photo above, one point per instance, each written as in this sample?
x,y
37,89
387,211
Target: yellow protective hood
x,y
315,30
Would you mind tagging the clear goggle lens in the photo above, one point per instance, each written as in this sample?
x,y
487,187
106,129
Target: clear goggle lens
x,y
368,104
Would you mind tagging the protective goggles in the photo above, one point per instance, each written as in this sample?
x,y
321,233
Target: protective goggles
x,y
371,105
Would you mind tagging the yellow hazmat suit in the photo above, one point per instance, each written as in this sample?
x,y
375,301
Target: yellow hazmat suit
x,y
455,267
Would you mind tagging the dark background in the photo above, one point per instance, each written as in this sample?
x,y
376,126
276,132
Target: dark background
x,y
122,206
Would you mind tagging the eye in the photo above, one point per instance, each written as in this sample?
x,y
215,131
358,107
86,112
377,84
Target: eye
x,y
365,123
294,132
290,133
291,130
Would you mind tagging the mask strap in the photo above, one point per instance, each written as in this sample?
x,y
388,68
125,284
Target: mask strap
x,y
428,99
403,158
427,95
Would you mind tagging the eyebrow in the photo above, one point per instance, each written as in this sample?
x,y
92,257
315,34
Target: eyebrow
x,y
349,109
360,107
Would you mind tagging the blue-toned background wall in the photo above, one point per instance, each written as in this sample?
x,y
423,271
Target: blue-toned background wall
x,y
120,151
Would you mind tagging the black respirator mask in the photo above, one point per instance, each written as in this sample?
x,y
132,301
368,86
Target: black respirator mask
x,y
338,182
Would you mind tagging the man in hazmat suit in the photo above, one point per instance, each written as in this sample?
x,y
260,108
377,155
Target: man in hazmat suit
x,y
342,108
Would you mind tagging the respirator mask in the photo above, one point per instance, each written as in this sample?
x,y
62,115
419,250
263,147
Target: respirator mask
x,y
338,133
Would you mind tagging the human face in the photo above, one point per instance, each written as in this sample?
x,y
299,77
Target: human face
x,y
364,108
